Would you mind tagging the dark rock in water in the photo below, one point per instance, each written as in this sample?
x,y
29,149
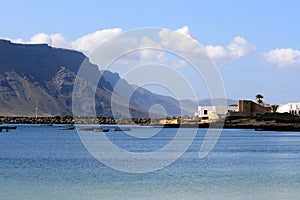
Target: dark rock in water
x,y
67,127
122,129
7,128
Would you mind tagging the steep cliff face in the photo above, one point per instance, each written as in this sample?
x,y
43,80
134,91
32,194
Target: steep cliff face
x,y
20,95
41,76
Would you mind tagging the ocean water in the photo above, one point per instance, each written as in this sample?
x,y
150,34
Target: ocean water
x,y
46,163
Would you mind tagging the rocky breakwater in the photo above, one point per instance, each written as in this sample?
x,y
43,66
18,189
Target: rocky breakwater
x,y
38,120
73,120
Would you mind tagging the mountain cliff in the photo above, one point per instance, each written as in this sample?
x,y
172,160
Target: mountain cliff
x,y
41,76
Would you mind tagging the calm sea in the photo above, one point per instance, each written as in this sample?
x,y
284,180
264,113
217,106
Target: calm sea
x,y
46,163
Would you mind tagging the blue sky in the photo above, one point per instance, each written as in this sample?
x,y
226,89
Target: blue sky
x,y
271,27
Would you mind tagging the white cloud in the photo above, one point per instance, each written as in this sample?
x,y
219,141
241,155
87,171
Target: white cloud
x,y
128,51
217,53
236,49
179,40
90,41
239,47
84,44
41,38
54,40
283,58
184,31
15,40
58,40
153,54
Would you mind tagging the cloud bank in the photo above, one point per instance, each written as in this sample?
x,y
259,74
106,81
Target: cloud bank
x,y
238,48
85,44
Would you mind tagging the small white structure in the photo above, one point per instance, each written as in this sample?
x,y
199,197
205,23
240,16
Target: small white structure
x,y
293,108
213,111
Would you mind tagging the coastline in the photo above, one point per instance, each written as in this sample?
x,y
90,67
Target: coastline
x,y
257,123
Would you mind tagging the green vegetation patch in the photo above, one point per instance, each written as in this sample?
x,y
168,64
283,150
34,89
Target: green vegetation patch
x,y
279,117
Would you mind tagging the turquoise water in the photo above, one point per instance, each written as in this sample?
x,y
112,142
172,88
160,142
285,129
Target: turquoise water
x,y
45,163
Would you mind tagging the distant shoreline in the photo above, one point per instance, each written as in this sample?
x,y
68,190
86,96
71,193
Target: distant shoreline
x,y
268,122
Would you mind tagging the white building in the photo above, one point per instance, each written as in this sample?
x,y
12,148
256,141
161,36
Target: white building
x,y
215,111
293,108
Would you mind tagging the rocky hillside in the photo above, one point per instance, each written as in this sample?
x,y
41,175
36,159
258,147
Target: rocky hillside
x,y
41,76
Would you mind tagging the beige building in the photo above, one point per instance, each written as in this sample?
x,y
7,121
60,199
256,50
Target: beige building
x,y
248,106
169,121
